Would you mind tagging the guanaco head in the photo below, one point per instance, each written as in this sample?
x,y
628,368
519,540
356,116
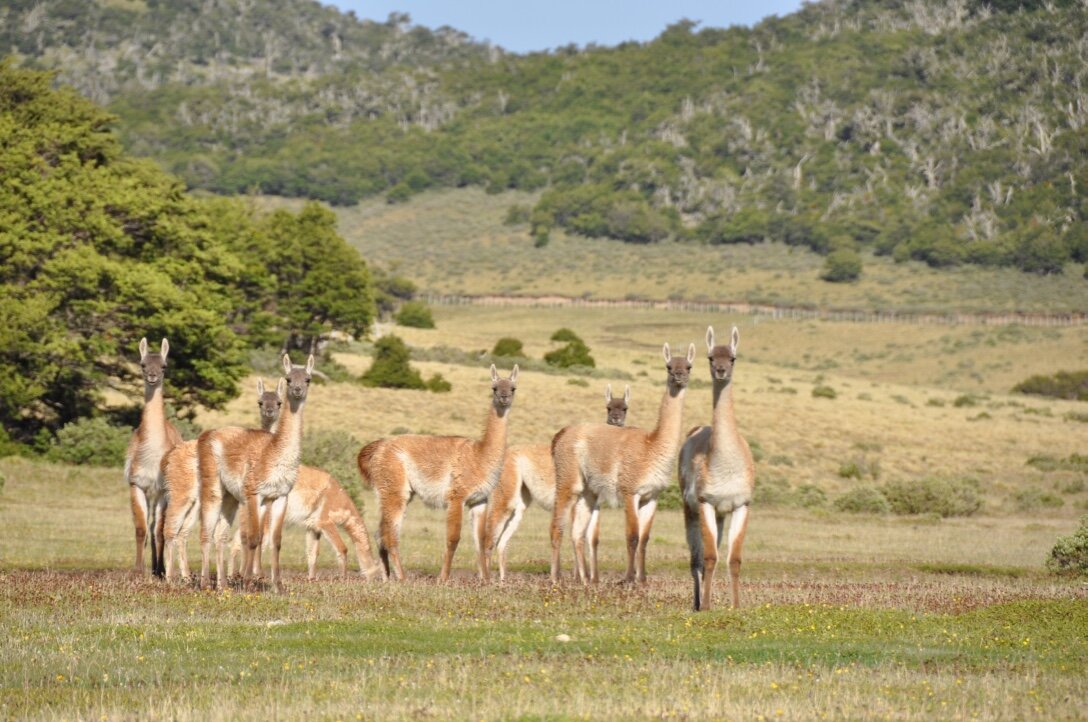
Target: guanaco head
x,y
722,358
298,378
153,365
269,403
617,408
502,390
679,368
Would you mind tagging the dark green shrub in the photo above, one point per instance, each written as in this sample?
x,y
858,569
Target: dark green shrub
x,y
574,353
91,441
772,491
399,193
565,335
334,451
414,314
670,498
1071,385
1033,499
1070,553
508,346
823,392
943,497
517,214
842,266
391,368
860,467
965,400
809,496
863,500
439,385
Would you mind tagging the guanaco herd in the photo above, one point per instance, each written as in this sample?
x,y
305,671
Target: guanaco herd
x,y
258,473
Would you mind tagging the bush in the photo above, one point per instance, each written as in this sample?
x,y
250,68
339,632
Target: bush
x,y
823,392
809,496
1070,553
439,385
1071,385
91,441
842,266
517,214
391,368
944,497
1033,499
863,500
508,346
670,498
334,452
860,467
414,314
565,335
574,353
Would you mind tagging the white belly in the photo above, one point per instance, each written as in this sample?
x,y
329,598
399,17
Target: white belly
x,y
541,486
727,494
431,491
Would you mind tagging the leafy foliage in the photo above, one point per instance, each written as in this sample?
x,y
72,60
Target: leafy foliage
x,y
91,441
391,368
334,452
1062,385
508,346
863,500
98,250
1070,553
841,266
575,353
943,132
943,497
415,314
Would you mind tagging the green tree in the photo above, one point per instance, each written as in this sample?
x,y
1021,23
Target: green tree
x,y
391,368
841,266
415,314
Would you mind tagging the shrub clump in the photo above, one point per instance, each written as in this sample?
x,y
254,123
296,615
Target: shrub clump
x,y
334,452
1071,385
1070,553
438,384
823,392
575,353
859,467
863,500
1032,499
391,368
943,497
91,441
842,266
508,346
414,314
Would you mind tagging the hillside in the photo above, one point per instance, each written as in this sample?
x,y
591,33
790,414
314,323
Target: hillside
x,y
946,132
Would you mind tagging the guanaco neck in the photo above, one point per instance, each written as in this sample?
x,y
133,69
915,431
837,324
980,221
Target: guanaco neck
x,y
287,431
724,435
153,418
665,438
492,445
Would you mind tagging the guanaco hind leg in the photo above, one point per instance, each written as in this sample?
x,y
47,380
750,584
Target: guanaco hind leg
x,y
645,522
138,499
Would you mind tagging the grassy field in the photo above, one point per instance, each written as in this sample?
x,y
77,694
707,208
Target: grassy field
x,y
454,241
845,616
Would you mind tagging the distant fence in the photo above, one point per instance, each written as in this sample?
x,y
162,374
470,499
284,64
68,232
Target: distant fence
x,y
771,312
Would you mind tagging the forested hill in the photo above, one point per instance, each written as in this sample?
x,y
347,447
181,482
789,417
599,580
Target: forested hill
x,y
948,131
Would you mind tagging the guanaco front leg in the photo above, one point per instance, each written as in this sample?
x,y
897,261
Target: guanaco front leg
x,y
630,513
480,539
738,525
328,530
645,521
580,520
138,499
277,513
252,520
594,534
453,535
709,526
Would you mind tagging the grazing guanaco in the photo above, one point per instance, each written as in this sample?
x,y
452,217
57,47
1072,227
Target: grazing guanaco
x,y
250,467
152,438
623,466
717,477
449,472
181,482
528,474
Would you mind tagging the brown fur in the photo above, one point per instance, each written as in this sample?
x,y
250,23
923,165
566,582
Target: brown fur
x,y
153,438
448,472
625,466
319,504
528,474
717,477
251,467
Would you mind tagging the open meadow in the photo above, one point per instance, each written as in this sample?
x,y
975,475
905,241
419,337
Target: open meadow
x,y
873,616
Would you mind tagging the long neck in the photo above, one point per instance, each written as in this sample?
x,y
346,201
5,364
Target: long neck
x,y
725,436
287,432
493,443
153,419
666,435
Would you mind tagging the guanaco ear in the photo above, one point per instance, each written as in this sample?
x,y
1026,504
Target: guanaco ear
x,y
260,387
281,388
165,348
608,394
494,374
626,395
691,352
143,348
665,352
286,364
736,341
514,375
709,339
310,365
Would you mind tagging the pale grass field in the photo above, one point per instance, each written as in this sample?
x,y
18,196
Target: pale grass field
x,y
454,241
